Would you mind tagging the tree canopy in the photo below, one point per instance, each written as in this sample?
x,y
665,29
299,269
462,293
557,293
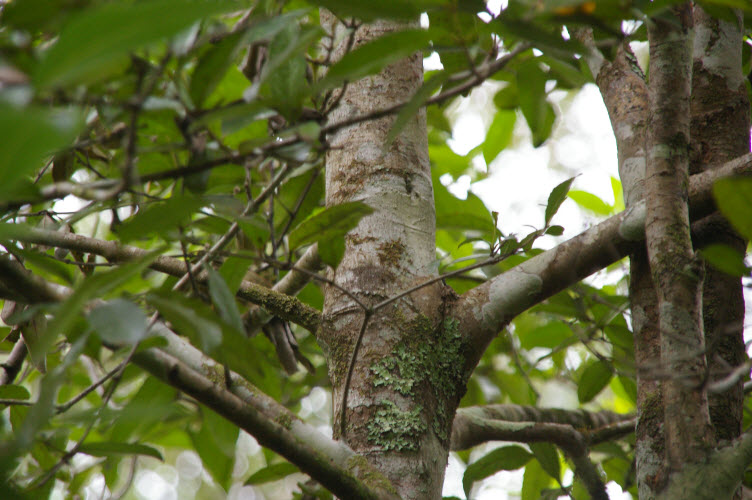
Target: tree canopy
x,y
163,201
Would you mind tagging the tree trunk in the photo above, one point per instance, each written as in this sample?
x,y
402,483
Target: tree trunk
x,y
719,132
383,363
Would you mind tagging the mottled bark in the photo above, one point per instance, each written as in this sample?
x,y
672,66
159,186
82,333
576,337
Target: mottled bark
x,y
400,401
184,367
468,429
677,272
625,94
719,132
483,311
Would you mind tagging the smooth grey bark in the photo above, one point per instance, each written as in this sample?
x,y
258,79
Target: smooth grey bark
x,y
400,422
483,311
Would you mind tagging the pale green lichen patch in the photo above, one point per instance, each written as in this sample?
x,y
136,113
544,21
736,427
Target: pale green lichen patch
x,y
394,429
426,355
400,371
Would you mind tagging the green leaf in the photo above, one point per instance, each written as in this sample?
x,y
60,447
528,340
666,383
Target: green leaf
x,y
14,392
410,109
119,322
34,15
215,443
568,76
97,41
272,472
531,84
620,336
153,402
548,458
550,335
504,458
629,386
159,217
508,98
726,259
332,222
233,270
594,378
547,38
733,197
95,286
285,77
255,230
213,65
467,214
591,202
36,261
29,135
534,481
446,161
209,332
499,135
734,4
332,251
515,387
191,318
371,57
618,194
224,300
108,449
556,198
37,416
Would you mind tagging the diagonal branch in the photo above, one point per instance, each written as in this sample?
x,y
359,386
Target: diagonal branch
x,y
184,367
464,433
278,304
291,283
486,309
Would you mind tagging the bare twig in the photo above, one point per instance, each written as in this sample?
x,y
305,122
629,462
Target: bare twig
x,y
13,363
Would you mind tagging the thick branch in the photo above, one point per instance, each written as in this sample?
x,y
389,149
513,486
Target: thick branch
x,y
571,441
332,464
486,309
276,303
181,365
466,433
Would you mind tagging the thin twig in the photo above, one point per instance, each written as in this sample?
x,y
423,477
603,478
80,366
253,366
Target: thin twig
x,y
353,356
13,363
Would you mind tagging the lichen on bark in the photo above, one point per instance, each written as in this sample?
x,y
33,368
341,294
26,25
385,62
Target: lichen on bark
x,y
394,429
430,356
